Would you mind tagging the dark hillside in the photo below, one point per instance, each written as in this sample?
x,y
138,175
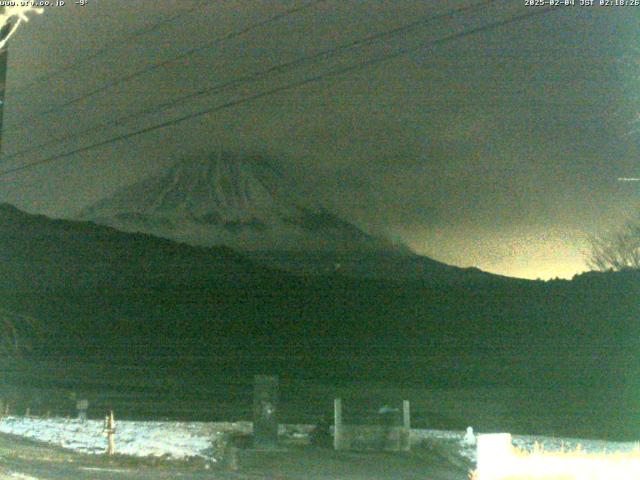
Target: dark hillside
x,y
115,297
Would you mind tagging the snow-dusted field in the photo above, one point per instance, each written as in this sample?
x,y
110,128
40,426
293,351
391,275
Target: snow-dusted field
x,y
181,440
172,439
525,442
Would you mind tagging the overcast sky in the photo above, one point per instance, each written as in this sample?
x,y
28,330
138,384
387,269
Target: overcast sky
x,y
500,149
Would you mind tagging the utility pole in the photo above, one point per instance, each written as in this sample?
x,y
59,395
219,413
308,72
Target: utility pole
x,y
10,19
4,55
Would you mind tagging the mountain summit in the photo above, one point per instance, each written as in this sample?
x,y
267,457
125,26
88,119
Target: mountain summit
x,y
248,205
244,203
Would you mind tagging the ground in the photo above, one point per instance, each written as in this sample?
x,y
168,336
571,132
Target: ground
x,y
158,450
27,460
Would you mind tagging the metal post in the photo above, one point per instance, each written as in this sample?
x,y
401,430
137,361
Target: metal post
x,y
337,424
265,406
110,432
82,406
406,414
405,431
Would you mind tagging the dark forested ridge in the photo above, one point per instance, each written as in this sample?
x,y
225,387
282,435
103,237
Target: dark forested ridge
x,y
103,293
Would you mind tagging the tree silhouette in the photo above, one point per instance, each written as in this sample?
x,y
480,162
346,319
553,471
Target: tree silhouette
x,y
16,333
619,250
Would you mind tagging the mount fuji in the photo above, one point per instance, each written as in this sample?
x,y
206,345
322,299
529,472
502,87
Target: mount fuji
x,y
246,204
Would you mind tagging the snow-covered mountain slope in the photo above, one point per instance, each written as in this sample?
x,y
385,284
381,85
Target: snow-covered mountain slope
x,y
243,203
246,204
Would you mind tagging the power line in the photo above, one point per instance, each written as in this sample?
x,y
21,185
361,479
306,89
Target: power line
x,y
253,77
164,63
26,88
289,86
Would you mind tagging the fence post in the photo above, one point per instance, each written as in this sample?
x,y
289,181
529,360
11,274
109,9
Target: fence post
x,y
405,431
337,424
82,406
110,431
406,414
265,406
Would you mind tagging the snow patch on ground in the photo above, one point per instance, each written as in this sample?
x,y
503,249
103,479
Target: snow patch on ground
x,y
179,440
525,442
